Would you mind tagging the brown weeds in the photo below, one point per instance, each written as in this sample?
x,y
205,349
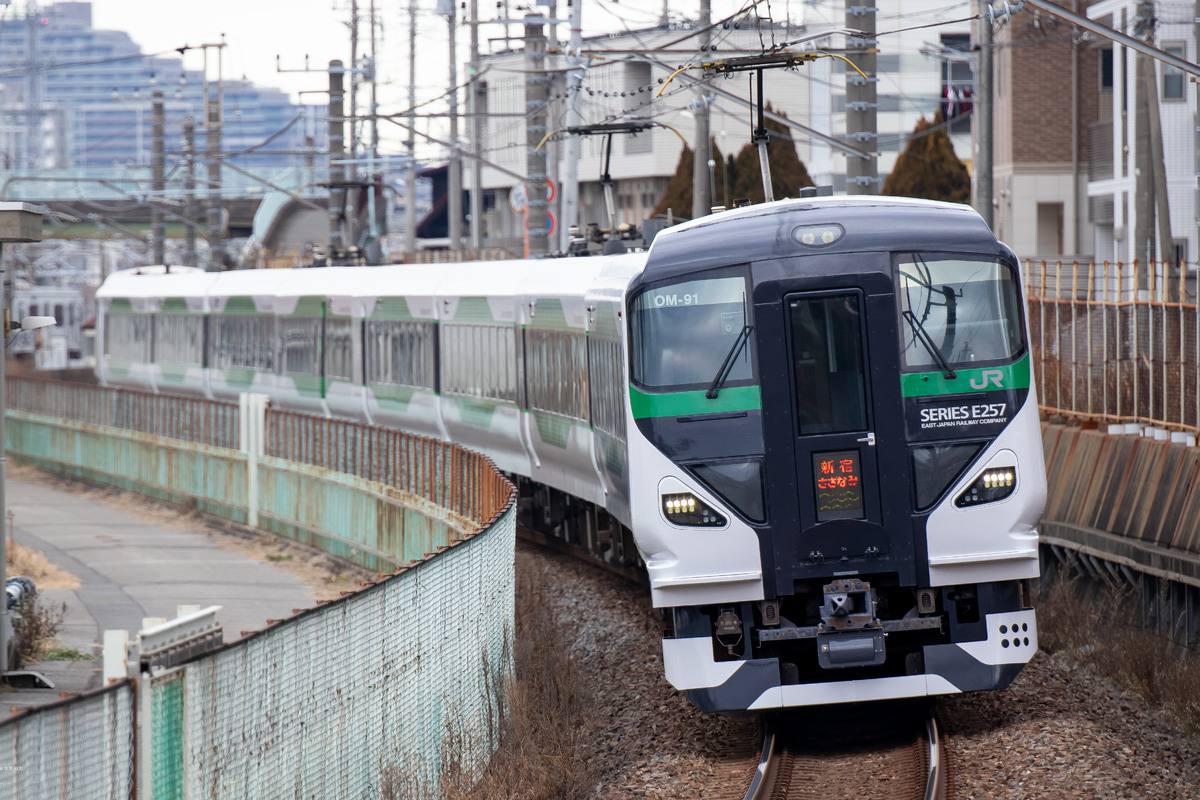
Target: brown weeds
x,y
1103,629
539,721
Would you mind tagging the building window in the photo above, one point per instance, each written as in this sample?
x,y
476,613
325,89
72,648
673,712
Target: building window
x,y
958,82
1172,77
1106,70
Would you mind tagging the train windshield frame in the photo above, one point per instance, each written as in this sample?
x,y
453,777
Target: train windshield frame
x,y
685,333
957,311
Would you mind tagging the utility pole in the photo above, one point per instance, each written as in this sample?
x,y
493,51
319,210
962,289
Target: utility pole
x,y
374,251
157,230
189,189
701,190
862,174
570,178
1152,176
454,182
34,153
983,116
212,129
353,149
337,158
536,99
410,178
474,107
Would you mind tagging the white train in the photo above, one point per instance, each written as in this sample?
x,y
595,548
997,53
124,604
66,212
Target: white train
x,y
815,416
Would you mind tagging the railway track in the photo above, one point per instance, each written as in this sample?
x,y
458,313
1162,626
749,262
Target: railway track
x,y
834,756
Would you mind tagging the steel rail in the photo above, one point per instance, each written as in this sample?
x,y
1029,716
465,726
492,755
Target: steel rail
x,y
764,775
935,781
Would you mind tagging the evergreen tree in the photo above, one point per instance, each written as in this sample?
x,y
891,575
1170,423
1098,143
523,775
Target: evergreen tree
x,y
678,194
928,167
788,173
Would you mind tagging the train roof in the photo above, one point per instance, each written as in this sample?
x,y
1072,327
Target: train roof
x,y
870,223
277,290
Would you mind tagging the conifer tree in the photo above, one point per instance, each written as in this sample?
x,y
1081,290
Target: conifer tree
x,y
928,167
678,194
788,173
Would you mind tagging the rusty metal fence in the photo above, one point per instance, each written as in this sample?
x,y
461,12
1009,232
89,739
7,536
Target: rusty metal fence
x,y
192,419
335,701
1115,343
464,483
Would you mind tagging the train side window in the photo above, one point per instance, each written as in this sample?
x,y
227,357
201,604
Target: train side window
x,y
827,356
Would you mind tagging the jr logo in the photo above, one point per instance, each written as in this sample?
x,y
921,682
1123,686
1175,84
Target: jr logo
x,y
992,376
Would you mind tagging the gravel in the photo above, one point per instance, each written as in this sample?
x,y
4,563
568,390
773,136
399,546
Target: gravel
x,y
1057,732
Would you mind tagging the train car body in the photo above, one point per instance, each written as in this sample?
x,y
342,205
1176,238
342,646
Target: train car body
x,y
815,416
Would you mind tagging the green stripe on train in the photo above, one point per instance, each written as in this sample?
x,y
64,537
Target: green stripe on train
x,y
677,404
983,379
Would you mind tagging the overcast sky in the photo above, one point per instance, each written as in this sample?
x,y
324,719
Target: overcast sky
x,y
256,30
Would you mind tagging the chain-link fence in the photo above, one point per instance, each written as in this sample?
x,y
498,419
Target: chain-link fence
x,y
337,700
1115,343
76,748
322,704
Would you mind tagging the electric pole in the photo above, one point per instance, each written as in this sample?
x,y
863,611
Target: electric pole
x,y
410,178
189,189
701,191
157,230
454,182
212,131
337,158
862,174
570,181
983,117
374,251
474,107
536,99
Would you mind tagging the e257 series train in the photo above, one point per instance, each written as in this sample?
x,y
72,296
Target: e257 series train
x,y
815,416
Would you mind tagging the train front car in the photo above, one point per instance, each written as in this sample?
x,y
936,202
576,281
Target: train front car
x,y
836,463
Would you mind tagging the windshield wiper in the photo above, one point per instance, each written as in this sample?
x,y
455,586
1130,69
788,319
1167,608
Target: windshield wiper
x,y
922,336
714,388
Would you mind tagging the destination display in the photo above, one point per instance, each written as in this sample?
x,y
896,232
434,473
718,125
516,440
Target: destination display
x,y
838,482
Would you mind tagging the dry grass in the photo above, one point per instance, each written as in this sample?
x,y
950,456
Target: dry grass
x,y
32,564
540,726
1102,629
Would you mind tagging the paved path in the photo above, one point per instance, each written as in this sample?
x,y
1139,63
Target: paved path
x,y
129,569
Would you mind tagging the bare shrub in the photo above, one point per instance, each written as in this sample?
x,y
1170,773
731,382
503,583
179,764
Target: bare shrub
x,y
539,721
35,628
545,717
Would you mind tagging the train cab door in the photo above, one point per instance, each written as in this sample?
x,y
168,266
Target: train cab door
x,y
846,431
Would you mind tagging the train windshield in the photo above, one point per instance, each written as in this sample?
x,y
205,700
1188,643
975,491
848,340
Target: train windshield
x,y
957,312
690,334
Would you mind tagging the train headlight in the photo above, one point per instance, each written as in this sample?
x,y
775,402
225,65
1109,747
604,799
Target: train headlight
x,y
684,508
995,483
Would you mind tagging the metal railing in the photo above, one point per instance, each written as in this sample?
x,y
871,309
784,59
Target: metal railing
x,y
1116,343
205,422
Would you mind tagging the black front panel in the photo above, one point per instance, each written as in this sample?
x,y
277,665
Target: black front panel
x,y
837,460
